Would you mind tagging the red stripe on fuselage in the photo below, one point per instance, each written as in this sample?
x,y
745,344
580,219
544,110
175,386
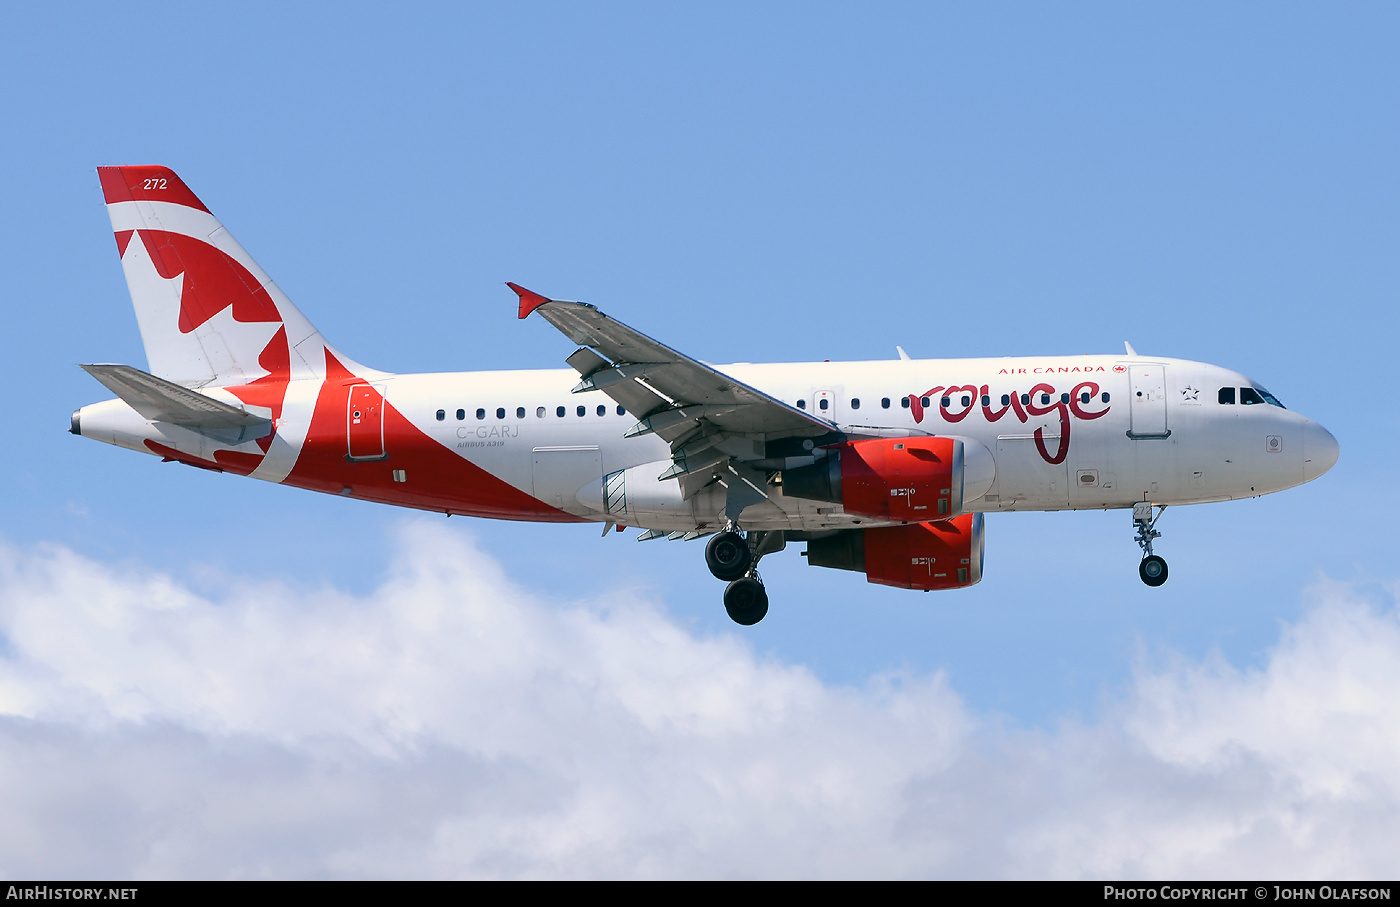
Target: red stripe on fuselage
x,y
437,478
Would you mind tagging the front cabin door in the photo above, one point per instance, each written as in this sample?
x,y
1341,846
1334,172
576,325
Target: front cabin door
x,y
1147,401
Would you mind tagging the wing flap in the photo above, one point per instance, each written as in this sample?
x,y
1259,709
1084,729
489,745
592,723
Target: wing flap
x,y
636,398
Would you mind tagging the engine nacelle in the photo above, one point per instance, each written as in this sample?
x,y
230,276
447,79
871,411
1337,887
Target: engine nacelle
x,y
941,555
913,479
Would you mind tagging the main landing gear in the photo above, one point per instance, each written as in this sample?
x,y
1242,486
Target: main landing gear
x,y
746,600
1153,569
733,556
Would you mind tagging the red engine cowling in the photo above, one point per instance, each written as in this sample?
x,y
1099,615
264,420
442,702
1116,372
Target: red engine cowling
x,y
942,555
912,479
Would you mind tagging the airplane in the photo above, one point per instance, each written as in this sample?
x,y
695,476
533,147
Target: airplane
x,y
884,468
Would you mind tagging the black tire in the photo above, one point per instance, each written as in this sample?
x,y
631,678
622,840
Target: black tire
x,y
1153,570
727,556
746,601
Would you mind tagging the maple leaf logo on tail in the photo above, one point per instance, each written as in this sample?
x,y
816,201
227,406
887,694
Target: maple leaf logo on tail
x,y
209,316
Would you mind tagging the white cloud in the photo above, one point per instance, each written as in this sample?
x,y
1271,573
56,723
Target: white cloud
x,y
453,724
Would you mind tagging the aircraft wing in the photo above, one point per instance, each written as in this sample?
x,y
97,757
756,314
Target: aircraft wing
x,y
164,401
709,418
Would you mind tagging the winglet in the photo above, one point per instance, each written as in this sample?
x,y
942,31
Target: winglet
x,y
1126,345
529,301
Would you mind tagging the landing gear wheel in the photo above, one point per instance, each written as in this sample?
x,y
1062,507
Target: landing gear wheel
x,y
1153,570
746,601
728,557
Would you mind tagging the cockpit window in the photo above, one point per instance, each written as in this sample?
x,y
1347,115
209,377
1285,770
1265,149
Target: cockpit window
x,y
1227,395
1268,397
1257,394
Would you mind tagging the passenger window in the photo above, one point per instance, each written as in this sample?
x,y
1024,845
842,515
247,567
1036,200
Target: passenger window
x,y
1084,397
801,404
924,401
904,402
1064,398
582,409
1044,399
602,409
559,412
441,414
500,412
855,403
461,414
520,412
1250,396
621,410
1227,396
966,400
884,402
822,404
481,414
1025,399
1103,397
1005,399
945,402
986,400
539,413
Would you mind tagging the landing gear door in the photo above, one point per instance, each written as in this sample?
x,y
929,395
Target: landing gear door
x,y
364,422
1147,401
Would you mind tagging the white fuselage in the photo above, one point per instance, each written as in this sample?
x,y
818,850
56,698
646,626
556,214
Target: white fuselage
x,y
1173,443
1162,436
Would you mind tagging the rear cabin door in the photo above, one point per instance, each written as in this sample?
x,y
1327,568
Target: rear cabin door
x,y
364,422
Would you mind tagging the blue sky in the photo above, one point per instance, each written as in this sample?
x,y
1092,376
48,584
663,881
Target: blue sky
x,y
748,183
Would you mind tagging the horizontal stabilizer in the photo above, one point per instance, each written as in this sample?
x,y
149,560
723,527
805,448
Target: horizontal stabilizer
x,y
164,401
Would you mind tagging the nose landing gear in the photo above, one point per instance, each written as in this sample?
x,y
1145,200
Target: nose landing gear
x,y
1153,569
733,556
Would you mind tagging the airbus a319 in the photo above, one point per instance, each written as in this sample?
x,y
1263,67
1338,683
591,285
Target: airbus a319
x,y
884,468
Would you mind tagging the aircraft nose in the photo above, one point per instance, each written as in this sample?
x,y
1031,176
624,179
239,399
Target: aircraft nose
x,y
1320,450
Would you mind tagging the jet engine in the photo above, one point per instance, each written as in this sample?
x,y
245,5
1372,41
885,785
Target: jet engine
x,y
946,554
913,479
